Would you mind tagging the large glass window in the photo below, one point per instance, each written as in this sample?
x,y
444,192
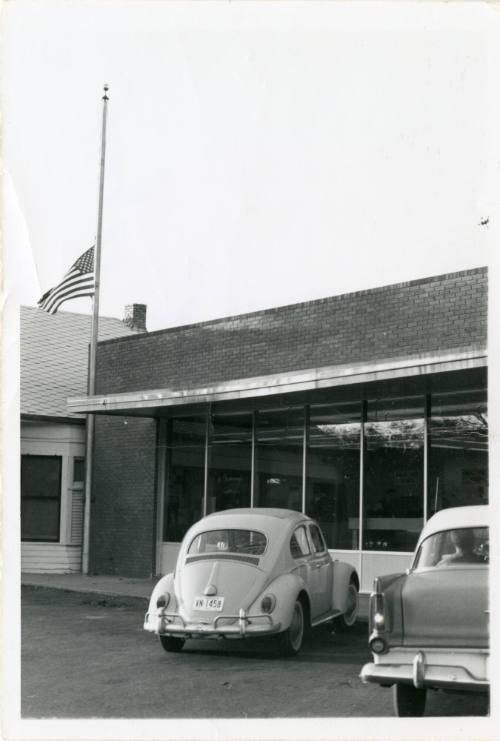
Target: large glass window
x,y
185,475
458,456
40,497
393,461
333,472
279,458
230,461
393,474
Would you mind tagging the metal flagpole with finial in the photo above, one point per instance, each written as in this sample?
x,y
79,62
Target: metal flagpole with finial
x,y
93,346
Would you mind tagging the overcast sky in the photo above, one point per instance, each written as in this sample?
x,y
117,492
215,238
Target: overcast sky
x,y
258,154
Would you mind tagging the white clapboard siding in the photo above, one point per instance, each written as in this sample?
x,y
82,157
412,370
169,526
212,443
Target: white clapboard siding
x,y
76,522
38,558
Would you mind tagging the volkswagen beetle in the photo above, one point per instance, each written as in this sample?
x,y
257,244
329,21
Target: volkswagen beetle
x,y
243,573
429,626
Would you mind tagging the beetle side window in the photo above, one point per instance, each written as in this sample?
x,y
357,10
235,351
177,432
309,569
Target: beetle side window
x,y
317,539
299,546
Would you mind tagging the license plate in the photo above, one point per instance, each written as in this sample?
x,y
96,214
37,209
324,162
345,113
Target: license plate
x,y
208,603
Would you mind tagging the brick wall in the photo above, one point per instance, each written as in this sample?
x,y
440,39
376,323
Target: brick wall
x,y
123,511
434,314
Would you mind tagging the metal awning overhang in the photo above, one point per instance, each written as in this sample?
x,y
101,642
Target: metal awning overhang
x,y
151,402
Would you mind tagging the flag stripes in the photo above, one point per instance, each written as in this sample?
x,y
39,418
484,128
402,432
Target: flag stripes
x,y
78,281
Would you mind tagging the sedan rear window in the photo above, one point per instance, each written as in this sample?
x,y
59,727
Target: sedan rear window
x,y
467,545
229,541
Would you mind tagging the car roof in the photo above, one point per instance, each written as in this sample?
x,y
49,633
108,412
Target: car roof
x,y
281,514
456,517
275,523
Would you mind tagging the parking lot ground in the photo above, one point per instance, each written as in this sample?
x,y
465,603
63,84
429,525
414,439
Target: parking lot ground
x,y
87,655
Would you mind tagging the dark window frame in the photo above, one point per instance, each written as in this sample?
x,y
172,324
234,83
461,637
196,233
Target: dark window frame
x,y
57,498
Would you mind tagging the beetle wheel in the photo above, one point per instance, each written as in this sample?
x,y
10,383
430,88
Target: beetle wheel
x,y
290,640
171,643
408,701
347,620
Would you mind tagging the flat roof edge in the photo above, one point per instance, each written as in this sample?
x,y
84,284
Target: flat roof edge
x,y
259,386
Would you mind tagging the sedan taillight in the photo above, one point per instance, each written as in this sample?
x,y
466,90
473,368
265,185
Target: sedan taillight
x,y
377,607
377,640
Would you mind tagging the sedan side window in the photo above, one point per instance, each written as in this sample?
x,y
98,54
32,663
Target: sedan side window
x,y
299,546
317,539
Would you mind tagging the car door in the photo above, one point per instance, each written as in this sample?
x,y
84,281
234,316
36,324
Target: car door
x,y
321,574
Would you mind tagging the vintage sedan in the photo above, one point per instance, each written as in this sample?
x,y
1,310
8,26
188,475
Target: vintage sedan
x,y
429,626
244,573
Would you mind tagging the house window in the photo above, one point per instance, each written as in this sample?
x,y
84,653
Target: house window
x,y
40,497
78,473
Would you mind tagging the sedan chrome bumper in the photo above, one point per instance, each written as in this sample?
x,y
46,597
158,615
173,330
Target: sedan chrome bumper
x,y
222,626
459,669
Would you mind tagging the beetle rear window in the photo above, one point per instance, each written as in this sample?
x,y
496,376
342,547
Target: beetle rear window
x,y
229,541
467,545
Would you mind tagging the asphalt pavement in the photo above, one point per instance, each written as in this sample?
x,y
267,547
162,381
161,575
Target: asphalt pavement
x,y
85,654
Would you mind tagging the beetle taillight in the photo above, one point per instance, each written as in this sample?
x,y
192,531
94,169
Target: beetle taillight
x,y
268,603
163,600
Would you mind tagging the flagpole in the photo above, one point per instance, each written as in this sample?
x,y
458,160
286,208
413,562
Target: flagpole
x,y
93,347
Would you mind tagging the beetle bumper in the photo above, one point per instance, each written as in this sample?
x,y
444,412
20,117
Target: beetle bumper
x,y
460,669
222,626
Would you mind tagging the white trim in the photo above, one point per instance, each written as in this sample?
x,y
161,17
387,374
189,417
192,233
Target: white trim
x,y
259,386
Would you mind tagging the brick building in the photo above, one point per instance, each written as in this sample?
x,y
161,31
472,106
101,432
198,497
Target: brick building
x,y
366,410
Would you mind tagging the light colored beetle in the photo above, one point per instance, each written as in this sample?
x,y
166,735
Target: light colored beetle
x,y
252,572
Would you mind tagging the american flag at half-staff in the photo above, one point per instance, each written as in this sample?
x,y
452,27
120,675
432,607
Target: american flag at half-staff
x,y
78,281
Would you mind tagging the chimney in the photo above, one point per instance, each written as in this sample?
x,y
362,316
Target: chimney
x,y
135,317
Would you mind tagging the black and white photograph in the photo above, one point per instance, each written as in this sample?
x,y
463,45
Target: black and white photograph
x,y
249,397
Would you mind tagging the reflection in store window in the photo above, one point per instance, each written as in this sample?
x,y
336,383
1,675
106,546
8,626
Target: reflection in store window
x,y
393,491
333,472
230,460
458,459
278,458
185,475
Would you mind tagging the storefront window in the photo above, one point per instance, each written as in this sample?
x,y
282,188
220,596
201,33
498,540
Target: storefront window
x,y
393,474
458,457
393,466
333,472
230,461
185,475
40,497
279,458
